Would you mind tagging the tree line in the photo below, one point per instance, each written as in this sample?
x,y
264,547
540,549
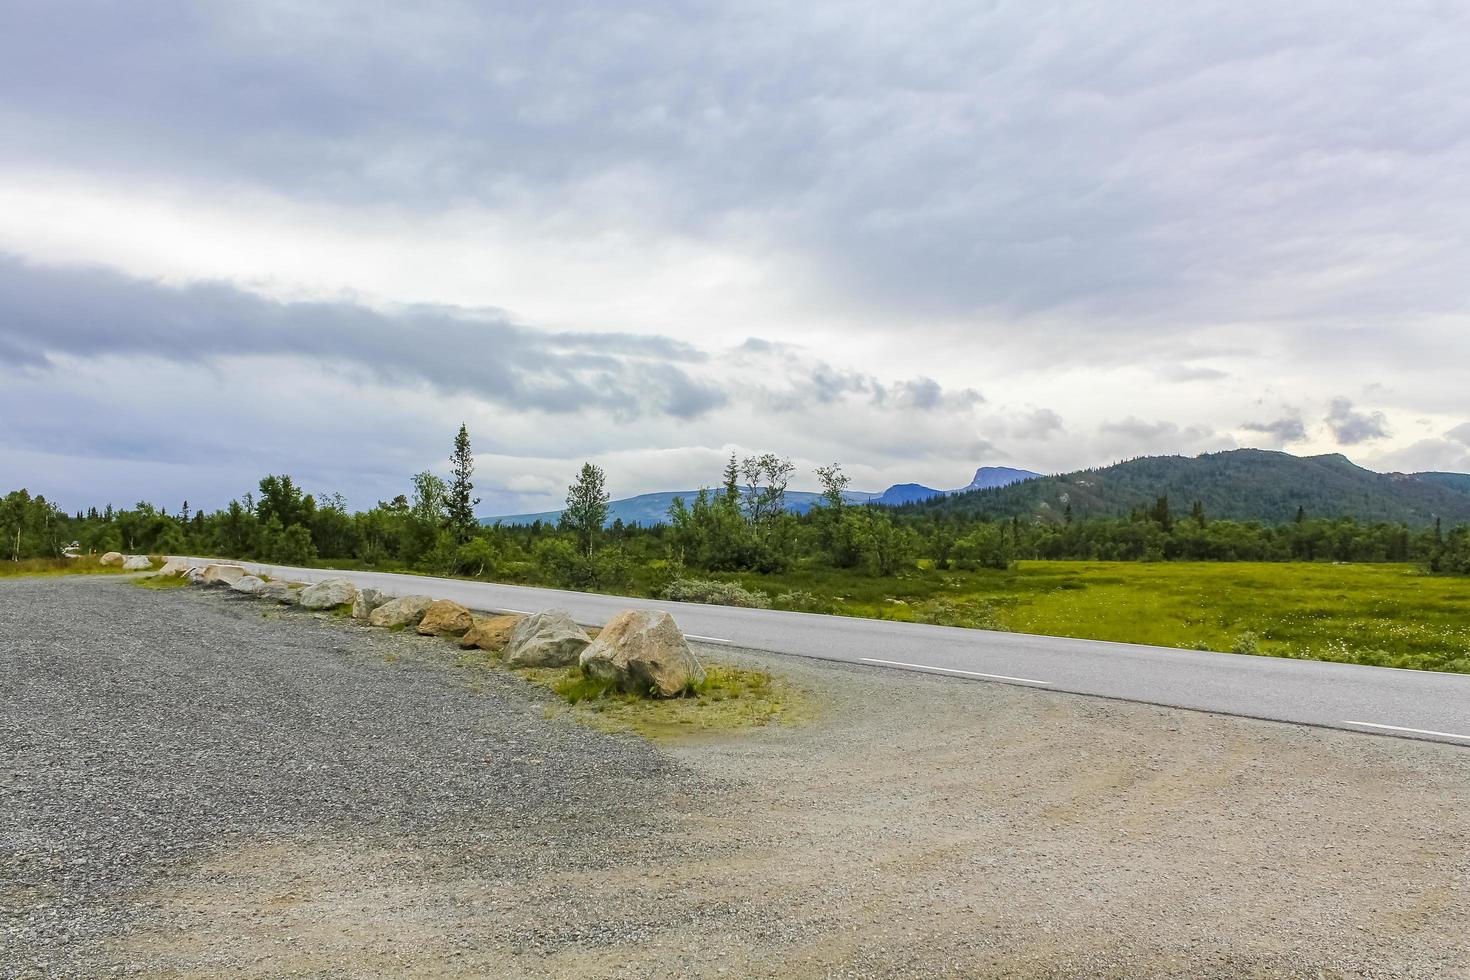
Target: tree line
x,y
741,525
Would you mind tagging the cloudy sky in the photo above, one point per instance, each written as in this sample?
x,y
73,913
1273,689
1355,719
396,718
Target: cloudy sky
x,y
313,237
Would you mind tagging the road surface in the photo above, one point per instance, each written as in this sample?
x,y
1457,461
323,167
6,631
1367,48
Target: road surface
x,y
1380,700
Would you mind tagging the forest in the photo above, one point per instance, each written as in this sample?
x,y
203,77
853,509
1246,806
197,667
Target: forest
x,y
739,525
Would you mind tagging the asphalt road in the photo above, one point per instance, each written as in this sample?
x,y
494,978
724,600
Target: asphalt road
x,y
1378,700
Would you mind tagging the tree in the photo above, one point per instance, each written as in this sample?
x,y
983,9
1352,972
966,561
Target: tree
x,y
586,509
458,501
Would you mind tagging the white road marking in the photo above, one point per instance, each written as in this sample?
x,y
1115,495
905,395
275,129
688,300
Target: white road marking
x,y
1412,731
707,639
947,670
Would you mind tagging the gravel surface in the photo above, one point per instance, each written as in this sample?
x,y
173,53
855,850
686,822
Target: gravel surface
x,y
194,789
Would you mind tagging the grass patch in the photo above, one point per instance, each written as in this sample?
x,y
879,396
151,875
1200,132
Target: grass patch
x,y
342,610
161,582
729,701
58,566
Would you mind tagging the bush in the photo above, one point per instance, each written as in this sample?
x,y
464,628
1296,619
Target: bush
x,y
715,593
1247,642
801,601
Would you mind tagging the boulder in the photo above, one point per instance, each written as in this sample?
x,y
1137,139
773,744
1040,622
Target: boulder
x,y
446,618
111,558
174,568
547,639
490,634
642,651
137,563
286,593
367,600
222,574
405,611
195,575
248,585
328,594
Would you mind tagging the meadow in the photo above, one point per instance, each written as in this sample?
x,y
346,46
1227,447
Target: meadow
x,y
1379,614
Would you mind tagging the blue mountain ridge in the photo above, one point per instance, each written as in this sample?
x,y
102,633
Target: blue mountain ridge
x,y
648,509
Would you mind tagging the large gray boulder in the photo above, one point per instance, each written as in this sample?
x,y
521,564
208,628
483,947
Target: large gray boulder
x,y
547,639
368,600
222,574
137,563
328,594
643,652
404,611
111,558
248,585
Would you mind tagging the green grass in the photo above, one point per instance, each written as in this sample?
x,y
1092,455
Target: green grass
x,y
730,700
161,582
58,566
1384,615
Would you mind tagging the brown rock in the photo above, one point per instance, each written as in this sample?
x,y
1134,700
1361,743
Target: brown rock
x,y
490,634
446,618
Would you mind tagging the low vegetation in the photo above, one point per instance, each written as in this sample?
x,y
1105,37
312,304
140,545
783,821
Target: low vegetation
x,y
730,699
86,565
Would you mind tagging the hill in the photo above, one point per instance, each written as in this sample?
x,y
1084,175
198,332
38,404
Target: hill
x,y
1458,482
648,509
1241,484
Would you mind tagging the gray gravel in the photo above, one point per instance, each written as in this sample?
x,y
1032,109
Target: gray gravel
x,y
143,731
197,784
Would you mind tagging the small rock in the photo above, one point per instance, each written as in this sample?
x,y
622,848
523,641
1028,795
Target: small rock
x,y
328,594
404,611
446,618
550,638
368,600
248,585
490,634
222,574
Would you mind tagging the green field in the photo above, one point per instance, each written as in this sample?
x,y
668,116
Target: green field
x,y
1385,615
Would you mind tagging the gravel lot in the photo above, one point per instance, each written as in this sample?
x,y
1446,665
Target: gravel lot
x,y
190,788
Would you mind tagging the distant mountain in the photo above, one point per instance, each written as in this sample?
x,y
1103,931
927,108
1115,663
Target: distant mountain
x,y
985,476
648,509
1242,484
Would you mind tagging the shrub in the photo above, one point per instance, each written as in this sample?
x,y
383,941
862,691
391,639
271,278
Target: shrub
x,y
1247,642
714,592
801,601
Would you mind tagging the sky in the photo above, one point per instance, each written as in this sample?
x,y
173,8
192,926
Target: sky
x,y
914,239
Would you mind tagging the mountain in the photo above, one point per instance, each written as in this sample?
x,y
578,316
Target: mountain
x,y
1241,484
648,509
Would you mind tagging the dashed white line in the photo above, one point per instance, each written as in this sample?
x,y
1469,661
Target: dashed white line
x,y
1412,731
707,639
949,670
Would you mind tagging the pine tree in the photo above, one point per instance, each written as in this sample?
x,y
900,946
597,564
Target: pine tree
x,y
586,509
459,502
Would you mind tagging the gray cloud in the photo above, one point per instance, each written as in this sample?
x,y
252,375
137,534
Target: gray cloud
x,y
1460,433
1285,430
1351,427
1040,424
1022,158
92,312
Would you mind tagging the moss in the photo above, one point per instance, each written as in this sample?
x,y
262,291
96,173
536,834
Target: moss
x,y
342,610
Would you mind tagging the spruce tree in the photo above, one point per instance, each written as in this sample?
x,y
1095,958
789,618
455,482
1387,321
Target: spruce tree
x,y
459,503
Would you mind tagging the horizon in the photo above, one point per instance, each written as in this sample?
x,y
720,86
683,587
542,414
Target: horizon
x,y
747,229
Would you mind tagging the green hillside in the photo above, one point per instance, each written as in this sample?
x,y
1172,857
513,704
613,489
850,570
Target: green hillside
x,y
1458,482
1242,484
